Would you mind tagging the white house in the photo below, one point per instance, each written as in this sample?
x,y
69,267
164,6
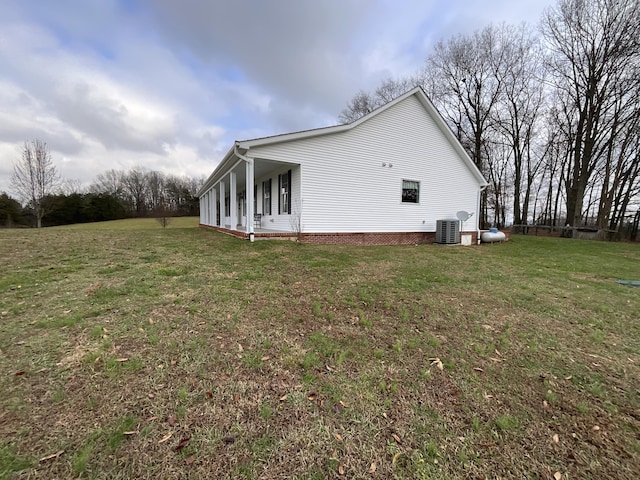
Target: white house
x,y
386,178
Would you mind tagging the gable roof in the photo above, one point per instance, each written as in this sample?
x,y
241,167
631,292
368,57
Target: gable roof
x,y
232,157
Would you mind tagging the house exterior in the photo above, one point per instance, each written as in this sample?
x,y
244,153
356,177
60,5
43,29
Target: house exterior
x,y
383,179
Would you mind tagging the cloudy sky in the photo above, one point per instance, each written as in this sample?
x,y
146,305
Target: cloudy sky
x,y
170,84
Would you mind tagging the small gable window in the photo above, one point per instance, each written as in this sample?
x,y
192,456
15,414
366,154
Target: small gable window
x,y
410,191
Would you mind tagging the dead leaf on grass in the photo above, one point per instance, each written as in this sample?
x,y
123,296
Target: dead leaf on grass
x,y
557,476
312,396
372,468
283,398
556,438
341,470
18,373
595,428
166,437
240,348
545,404
396,438
229,439
190,460
265,358
122,359
437,362
131,432
53,455
395,458
338,437
338,407
209,394
182,443
486,396
172,420
478,369
487,444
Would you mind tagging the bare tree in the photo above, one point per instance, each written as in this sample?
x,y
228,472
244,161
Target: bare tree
x,y
519,109
594,44
110,182
35,177
136,188
364,103
466,85
71,186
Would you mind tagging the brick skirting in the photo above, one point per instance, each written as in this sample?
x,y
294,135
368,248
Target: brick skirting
x,y
376,238
356,238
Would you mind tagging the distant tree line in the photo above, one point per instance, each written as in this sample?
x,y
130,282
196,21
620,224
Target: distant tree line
x,y
551,117
146,192
115,194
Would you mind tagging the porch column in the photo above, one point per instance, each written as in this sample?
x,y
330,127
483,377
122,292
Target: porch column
x,y
223,205
249,189
233,201
216,198
203,208
212,208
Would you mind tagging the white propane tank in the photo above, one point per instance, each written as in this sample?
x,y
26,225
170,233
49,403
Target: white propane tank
x,y
493,235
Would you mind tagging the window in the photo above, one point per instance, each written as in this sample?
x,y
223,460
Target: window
x,y
410,191
266,197
227,206
284,192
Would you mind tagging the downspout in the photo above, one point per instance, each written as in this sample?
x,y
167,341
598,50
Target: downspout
x,y
478,212
250,212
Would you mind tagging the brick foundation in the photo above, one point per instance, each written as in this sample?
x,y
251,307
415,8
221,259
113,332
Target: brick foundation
x,y
375,238
356,238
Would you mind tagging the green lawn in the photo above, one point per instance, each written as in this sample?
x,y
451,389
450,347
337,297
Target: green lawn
x,y
132,351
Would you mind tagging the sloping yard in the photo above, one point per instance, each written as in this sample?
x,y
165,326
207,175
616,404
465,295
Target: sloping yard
x,y
132,351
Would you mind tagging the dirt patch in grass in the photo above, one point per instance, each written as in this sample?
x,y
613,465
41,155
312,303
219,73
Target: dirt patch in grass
x,y
182,353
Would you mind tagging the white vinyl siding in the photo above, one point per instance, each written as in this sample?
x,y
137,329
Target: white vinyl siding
x,y
349,181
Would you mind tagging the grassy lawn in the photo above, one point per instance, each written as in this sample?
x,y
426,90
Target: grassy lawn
x,y
132,351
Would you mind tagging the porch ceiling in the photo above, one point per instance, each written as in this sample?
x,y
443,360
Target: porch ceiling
x,y
261,168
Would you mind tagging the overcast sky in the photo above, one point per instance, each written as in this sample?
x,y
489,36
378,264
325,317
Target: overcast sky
x,y
170,84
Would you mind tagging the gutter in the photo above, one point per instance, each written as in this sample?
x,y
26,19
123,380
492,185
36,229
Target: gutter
x,y
249,203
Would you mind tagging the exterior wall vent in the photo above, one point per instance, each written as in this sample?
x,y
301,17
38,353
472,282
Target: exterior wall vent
x,y
448,231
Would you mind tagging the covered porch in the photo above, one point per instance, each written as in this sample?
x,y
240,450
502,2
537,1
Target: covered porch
x,y
250,197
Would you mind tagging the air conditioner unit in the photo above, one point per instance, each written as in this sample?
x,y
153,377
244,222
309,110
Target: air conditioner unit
x,y
448,231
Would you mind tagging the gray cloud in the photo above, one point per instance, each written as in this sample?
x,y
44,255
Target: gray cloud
x,y
169,85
